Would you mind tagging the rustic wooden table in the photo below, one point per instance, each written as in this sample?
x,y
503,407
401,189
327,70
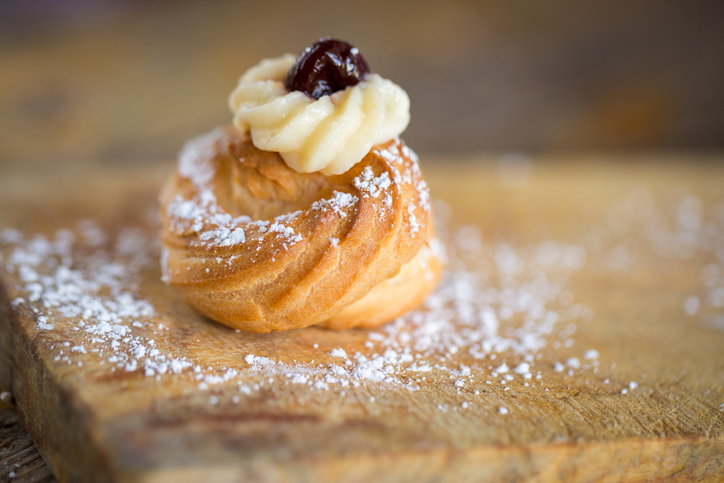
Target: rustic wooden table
x,y
625,382
95,100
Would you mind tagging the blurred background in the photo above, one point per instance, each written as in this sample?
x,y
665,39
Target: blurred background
x,y
124,81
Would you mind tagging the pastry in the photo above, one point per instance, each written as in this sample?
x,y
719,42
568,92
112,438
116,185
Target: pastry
x,y
308,210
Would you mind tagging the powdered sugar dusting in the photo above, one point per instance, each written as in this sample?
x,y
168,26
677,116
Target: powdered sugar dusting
x,y
206,223
371,185
74,285
500,305
338,203
193,161
642,229
97,294
509,308
376,186
414,225
203,216
392,154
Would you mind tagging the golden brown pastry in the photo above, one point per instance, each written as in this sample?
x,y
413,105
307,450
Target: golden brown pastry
x,y
256,245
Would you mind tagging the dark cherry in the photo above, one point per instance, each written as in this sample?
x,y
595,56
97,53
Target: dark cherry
x,y
325,67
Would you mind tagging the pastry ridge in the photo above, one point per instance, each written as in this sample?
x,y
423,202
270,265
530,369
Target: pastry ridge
x,y
255,245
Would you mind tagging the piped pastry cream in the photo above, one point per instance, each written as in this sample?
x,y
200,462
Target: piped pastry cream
x,y
329,134
254,243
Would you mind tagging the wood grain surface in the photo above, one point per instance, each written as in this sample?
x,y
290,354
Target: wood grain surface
x,y
90,92
580,420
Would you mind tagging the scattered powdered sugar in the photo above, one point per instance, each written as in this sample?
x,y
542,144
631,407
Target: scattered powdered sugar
x,y
493,300
202,215
371,185
411,175
235,237
691,305
286,232
414,225
573,363
498,306
193,160
321,377
43,323
337,203
216,227
678,228
338,353
211,225
591,354
95,294
496,300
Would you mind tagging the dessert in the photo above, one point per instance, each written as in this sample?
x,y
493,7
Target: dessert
x,y
308,210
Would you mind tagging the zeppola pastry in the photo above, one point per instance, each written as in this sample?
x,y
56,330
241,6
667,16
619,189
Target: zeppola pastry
x,y
309,210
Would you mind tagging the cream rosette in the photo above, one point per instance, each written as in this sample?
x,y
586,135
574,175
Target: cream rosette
x,y
329,135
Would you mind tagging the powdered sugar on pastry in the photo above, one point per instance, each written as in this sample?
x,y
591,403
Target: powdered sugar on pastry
x,y
311,211
238,221
202,214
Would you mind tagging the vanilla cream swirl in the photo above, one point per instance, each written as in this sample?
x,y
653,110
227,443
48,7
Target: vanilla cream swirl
x,y
329,135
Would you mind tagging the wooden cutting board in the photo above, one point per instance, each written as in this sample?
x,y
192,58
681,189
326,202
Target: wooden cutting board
x,y
598,285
